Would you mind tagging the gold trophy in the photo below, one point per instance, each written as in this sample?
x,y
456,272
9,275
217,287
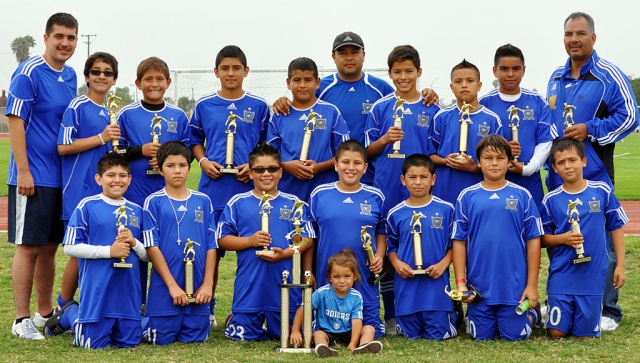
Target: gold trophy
x,y
365,237
189,257
465,111
121,217
514,123
309,128
296,238
457,295
113,120
416,230
231,124
265,210
567,113
398,115
574,218
156,131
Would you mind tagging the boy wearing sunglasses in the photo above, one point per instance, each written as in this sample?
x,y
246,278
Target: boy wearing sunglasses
x,y
256,296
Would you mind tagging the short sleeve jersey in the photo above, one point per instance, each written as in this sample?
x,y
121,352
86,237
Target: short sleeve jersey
x,y
334,313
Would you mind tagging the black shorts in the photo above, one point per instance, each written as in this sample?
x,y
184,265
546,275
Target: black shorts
x,y
35,220
342,339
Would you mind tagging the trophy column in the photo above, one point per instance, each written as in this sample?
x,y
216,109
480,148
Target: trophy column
x,y
265,210
121,215
156,131
189,257
514,123
416,231
309,128
113,120
232,126
574,218
365,237
465,120
398,115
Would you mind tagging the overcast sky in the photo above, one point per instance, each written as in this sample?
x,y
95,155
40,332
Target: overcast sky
x,y
189,33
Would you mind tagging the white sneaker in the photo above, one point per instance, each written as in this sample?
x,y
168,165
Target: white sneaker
x,y
213,323
38,321
608,324
467,329
390,327
544,309
26,330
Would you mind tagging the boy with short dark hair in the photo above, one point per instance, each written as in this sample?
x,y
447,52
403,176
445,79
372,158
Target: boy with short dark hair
x,y
179,225
575,289
428,314
456,170
102,229
287,132
256,296
483,254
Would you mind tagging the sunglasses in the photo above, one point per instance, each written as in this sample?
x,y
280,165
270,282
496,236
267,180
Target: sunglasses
x,y
261,170
97,72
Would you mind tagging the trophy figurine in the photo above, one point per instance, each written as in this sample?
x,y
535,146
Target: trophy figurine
x,y
458,295
189,257
232,126
296,238
265,210
121,217
416,230
465,120
567,113
398,115
309,128
574,218
365,237
156,131
514,123
113,119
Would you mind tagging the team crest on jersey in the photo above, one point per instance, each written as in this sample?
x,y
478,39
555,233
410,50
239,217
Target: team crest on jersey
x,y
436,222
336,325
248,116
512,203
483,130
528,114
594,206
285,213
366,107
199,215
365,208
423,120
552,101
321,123
172,126
134,221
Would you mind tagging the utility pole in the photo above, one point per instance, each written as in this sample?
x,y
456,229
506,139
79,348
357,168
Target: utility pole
x,y
88,42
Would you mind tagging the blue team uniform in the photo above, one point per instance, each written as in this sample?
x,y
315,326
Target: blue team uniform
x,y
339,216
333,314
256,295
168,223
39,95
354,100
208,123
109,296
536,127
445,139
599,213
415,125
492,252
604,101
286,132
135,130
436,233
82,119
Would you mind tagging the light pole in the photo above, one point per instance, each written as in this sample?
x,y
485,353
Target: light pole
x,y
88,42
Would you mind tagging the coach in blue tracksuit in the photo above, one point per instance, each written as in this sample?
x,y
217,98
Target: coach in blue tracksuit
x,y
604,110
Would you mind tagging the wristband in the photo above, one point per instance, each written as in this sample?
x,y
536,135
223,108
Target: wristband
x,y
200,161
461,281
101,139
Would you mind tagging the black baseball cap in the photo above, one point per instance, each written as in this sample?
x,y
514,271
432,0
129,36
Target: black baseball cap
x,y
347,38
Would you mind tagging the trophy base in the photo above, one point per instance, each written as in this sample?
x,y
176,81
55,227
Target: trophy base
x,y
191,299
122,265
374,279
581,259
265,253
420,272
229,171
153,172
120,151
459,156
396,156
294,350
296,286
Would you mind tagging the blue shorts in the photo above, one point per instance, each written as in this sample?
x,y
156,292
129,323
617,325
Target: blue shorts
x,y
187,328
108,332
371,316
219,251
578,315
489,321
249,327
434,325
35,220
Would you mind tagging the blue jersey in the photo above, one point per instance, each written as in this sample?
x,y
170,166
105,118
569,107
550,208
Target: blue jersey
x,y
604,101
256,284
497,257
415,125
354,100
334,313
339,216
168,223
39,95
599,213
82,119
106,291
535,128
286,132
445,138
421,293
208,123
135,130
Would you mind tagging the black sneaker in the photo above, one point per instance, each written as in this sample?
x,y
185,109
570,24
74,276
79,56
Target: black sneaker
x,y
373,347
323,350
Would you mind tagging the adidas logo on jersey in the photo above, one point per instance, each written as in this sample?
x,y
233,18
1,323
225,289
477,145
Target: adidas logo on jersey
x,y
232,107
348,200
102,113
60,79
303,118
352,89
182,208
494,196
348,38
408,112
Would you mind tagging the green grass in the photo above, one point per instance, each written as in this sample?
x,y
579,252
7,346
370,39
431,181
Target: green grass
x,y
618,346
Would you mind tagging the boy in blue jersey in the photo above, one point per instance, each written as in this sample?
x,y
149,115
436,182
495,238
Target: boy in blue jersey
x,y
528,112
102,229
256,295
340,211
575,290
179,225
483,254
209,135
456,170
428,314
286,132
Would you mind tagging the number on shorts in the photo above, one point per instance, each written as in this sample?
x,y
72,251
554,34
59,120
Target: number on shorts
x,y
236,331
555,315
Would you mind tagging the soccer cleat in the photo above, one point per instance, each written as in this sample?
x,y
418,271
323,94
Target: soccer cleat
x,y
322,350
373,347
227,321
213,323
608,324
53,327
390,327
26,330
38,321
